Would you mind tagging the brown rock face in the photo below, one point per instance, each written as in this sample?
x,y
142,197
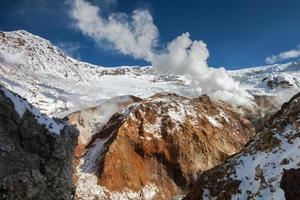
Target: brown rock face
x,y
290,183
157,148
89,121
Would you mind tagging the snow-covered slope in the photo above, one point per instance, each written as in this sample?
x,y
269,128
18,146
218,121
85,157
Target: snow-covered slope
x,y
35,69
255,79
256,172
57,84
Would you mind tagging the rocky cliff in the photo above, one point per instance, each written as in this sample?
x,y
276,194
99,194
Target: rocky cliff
x,y
268,168
90,121
156,148
35,152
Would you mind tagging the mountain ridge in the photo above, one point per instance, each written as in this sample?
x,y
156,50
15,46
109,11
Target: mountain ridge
x,y
58,84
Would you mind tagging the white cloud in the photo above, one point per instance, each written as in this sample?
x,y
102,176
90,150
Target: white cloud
x,y
137,36
133,35
294,53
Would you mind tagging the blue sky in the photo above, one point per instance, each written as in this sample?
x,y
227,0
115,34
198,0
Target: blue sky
x,y
238,33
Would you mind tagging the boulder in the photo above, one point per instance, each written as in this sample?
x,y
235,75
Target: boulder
x,y
290,183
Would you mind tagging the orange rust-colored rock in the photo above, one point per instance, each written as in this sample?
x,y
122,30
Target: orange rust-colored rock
x,y
165,141
91,120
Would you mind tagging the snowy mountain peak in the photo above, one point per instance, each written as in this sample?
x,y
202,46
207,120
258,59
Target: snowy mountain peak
x,y
171,111
34,68
38,54
58,84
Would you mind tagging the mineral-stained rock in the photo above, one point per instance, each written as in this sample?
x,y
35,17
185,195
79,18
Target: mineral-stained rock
x,y
90,120
156,148
35,152
265,163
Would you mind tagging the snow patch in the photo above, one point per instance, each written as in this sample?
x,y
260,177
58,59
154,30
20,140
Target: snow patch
x,y
94,154
214,122
206,195
21,106
177,113
154,128
271,165
224,116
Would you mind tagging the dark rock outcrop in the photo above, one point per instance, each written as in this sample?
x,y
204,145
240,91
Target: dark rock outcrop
x,y
284,82
290,183
35,161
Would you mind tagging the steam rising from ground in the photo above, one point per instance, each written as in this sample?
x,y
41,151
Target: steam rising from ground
x,y
94,119
137,36
284,95
186,57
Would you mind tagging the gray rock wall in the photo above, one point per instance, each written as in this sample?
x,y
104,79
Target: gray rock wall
x,y
34,162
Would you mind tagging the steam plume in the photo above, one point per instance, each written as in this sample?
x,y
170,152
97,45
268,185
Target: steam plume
x,y
137,36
